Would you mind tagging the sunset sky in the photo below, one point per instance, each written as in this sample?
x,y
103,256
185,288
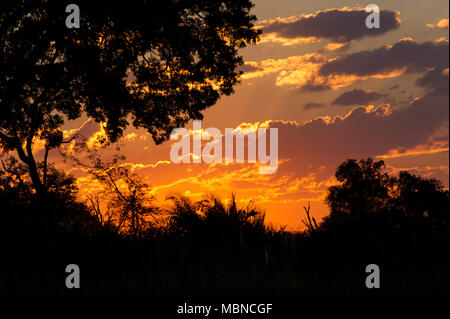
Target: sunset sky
x,y
333,88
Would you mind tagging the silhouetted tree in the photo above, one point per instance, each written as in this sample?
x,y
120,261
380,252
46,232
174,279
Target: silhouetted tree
x,y
157,64
421,202
362,188
125,205
16,196
367,195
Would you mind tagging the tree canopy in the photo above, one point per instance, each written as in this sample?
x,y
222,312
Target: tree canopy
x,y
364,188
151,64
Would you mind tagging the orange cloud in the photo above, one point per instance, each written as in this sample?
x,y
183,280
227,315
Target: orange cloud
x,y
432,147
420,150
442,24
303,71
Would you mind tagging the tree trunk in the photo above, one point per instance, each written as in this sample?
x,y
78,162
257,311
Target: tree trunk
x,y
46,223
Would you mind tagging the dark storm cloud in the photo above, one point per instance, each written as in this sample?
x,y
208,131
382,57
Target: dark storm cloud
x,y
357,97
337,25
364,132
435,81
408,54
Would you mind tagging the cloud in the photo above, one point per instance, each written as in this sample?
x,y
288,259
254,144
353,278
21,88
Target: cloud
x,y
363,132
301,72
308,64
424,149
405,55
442,24
436,81
357,97
316,72
339,26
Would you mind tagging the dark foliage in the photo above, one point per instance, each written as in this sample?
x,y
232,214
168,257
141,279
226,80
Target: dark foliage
x,y
216,249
